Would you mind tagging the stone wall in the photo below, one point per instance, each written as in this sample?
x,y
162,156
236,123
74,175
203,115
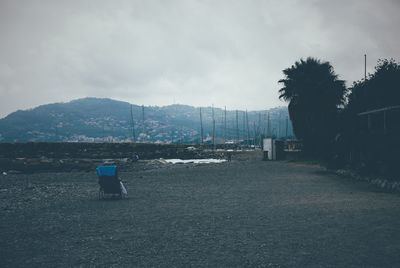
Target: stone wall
x,y
41,157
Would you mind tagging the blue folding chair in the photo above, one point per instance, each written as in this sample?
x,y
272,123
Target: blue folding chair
x,y
109,181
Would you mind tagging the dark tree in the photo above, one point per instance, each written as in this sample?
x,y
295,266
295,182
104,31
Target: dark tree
x,y
381,89
371,121
315,94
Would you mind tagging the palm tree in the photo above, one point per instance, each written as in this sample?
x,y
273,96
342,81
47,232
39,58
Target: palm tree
x,y
315,94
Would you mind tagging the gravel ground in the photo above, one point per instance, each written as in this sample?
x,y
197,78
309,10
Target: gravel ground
x,y
239,213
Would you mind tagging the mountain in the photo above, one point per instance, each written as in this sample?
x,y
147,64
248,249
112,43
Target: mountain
x,y
97,120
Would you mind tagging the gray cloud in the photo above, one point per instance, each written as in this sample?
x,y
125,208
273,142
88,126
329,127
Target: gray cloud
x,y
196,52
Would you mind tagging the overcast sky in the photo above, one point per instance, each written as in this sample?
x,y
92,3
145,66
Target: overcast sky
x,y
190,52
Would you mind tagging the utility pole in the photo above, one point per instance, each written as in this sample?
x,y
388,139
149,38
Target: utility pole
x,y
247,125
255,133
259,128
181,135
225,125
279,126
365,67
264,124
143,126
201,127
244,126
237,127
213,122
133,125
287,125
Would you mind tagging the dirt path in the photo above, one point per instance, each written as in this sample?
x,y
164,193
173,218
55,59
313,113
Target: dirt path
x,y
244,213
